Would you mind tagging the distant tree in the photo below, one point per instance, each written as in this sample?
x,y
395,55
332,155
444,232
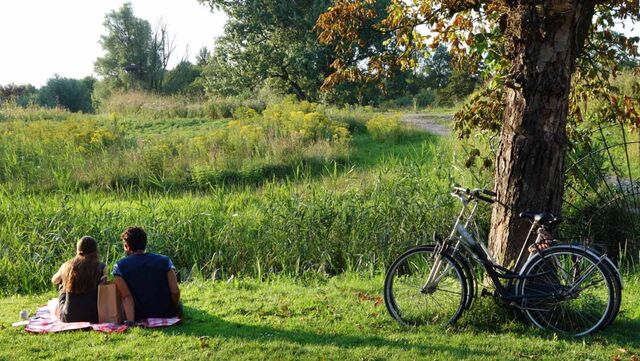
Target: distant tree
x,y
203,56
21,94
127,44
72,94
436,67
275,41
458,86
135,56
181,78
162,47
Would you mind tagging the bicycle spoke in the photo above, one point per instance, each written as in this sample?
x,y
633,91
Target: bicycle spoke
x,y
414,302
581,297
448,291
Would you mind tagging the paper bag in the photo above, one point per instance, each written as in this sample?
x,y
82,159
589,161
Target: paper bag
x,y
109,304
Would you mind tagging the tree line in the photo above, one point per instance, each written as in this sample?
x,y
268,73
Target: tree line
x,y
273,48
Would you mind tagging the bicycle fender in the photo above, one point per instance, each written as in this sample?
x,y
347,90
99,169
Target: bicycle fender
x,y
592,252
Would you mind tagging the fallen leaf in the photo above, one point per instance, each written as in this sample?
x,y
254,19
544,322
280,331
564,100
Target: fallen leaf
x,y
634,357
615,358
367,297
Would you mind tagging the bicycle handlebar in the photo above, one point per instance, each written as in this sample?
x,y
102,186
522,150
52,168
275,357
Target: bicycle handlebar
x,y
476,193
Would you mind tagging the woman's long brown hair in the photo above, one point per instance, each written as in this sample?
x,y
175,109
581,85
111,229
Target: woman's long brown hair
x,y
82,272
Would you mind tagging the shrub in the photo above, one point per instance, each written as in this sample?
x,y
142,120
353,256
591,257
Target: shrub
x,y
384,127
71,94
243,112
424,98
405,101
13,111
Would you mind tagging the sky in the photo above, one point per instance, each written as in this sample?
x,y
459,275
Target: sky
x,y
40,38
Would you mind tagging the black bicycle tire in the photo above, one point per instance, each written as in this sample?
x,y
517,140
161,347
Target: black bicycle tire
x,y
614,275
606,271
389,300
468,273
470,277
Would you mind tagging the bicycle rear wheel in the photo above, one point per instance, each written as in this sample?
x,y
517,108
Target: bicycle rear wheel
x,y
567,290
411,303
617,291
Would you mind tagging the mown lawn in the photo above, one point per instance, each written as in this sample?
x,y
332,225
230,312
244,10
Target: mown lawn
x,y
317,319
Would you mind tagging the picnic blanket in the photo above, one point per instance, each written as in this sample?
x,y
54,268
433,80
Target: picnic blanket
x,y
45,321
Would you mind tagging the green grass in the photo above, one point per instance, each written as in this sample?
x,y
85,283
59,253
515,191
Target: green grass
x,y
348,219
338,207
280,225
316,318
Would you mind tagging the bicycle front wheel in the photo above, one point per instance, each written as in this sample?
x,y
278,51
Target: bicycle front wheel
x,y
567,290
411,301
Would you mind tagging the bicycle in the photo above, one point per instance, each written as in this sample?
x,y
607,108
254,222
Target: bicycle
x,y
568,288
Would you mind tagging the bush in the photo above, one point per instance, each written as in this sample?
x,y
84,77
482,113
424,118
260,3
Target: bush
x,y
425,98
71,94
13,111
180,79
405,101
22,95
386,128
150,106
243,112
105,151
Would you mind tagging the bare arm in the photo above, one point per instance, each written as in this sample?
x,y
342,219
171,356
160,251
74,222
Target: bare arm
x,y
105,276
173,287
127,299
57,277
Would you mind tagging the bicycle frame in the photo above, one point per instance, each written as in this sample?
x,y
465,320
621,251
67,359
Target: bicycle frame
x,y
472,242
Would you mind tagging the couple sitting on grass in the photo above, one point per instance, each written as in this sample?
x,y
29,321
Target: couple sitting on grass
x,y
147,282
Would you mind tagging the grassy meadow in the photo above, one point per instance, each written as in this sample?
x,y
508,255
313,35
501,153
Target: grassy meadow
x,y
280,218
296,188
317,318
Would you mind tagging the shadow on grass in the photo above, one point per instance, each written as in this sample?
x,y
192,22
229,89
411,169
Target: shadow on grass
x,y
486,316
201,324
622,331
365,153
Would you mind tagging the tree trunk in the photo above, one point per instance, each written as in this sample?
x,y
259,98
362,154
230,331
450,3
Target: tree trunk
x,y
544,41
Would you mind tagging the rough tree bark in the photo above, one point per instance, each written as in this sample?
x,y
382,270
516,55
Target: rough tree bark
x,y
544,37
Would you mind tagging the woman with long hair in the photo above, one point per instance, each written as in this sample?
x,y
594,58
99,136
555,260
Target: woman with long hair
x,y
78,281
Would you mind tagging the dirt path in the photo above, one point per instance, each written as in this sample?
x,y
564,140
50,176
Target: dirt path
x,y
432,123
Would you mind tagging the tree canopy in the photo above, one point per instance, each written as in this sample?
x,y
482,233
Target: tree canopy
x,y
127,44
274,41
135,56
269,40
477,32
71,94
542,60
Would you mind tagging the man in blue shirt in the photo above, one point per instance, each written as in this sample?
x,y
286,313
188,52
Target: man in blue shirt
x,y
147,282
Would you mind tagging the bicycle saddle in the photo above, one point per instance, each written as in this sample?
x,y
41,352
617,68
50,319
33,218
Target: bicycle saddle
x,y
542,217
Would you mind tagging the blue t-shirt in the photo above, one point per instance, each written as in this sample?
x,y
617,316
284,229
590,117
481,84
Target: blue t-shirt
x,y
146,277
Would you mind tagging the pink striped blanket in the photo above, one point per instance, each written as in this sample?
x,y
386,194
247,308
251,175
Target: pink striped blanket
x,y
45,321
